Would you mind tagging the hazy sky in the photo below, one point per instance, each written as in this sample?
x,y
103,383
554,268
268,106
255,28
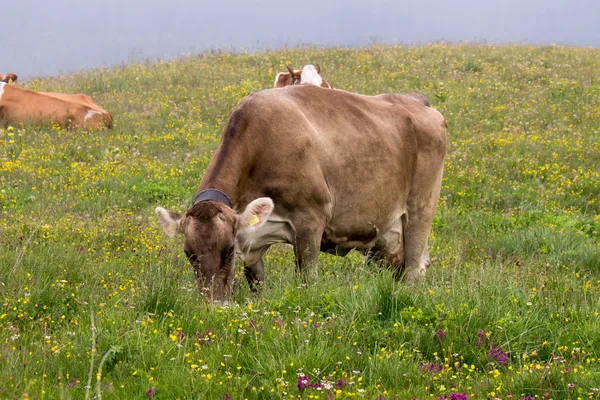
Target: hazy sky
x,y
45,37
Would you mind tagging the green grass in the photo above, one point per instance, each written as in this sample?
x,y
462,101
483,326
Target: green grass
x,y
509,309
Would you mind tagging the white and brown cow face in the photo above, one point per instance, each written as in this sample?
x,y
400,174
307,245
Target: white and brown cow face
x,y
311,74
308,74
210,229
8,78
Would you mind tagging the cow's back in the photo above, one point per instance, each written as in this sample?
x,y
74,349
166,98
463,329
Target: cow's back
x,y
403,98
80,98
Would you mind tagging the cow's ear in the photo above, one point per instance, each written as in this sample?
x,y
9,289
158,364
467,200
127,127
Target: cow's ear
x,y
169,220
294,72
255,214
318,68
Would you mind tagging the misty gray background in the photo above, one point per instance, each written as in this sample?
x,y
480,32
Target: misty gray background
x,y
46,37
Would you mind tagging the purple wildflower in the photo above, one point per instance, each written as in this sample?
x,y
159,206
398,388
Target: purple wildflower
x,y
458,396
440,334
430,367
150,392
227,397
339,383
497,354
480,336
527,398
180,335
251,323
302,382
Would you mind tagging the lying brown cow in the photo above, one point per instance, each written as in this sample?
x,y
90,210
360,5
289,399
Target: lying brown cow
x,y
22,105
323,170
309,74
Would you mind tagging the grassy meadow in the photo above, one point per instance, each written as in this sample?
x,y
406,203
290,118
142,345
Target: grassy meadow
x,y
96,302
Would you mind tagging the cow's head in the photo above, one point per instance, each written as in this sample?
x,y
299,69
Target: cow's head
x,y
311,74
210,229
292,77
308,74
8,78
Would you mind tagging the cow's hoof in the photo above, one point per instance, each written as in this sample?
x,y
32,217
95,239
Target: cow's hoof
x,y
414,274
223,304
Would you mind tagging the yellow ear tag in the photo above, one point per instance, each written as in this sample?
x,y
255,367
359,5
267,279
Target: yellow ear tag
x,y
253,220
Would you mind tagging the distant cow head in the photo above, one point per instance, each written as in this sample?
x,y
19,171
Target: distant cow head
x,y
210,229
288,78
8,78
308,74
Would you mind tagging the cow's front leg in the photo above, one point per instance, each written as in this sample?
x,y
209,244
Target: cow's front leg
x,y
255,275
306,250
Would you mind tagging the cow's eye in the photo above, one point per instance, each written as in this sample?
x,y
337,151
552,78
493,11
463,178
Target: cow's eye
x,y
228,252
190,256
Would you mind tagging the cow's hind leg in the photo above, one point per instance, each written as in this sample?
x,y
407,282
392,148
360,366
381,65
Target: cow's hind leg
x,y
255,275
417,254
419,217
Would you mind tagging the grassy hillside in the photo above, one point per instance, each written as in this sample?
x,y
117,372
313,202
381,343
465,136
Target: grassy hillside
x,y
97,301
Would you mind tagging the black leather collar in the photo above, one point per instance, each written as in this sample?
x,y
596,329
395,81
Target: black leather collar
x,y
213,194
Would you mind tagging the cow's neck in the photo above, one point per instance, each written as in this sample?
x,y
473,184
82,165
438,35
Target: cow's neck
x,y
226,172
213,194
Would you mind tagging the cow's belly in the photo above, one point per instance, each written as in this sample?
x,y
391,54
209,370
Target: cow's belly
x,y
382,233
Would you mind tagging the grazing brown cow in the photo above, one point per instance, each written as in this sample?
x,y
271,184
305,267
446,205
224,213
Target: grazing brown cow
x,y
323,170
308,74
22,105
